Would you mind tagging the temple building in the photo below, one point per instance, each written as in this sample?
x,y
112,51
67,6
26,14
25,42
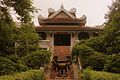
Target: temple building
x,y
61,30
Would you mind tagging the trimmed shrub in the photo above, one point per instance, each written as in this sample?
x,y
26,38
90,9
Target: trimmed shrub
x,y
82,51
97,75
20,66
19,63
28,75
85,75
6,66
96,61
113,63
37,59
96,43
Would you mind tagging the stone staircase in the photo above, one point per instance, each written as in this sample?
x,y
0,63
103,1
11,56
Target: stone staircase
x,y
72,74
62,51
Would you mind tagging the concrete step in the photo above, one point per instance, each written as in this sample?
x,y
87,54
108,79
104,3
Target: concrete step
x,y
62,51
70,75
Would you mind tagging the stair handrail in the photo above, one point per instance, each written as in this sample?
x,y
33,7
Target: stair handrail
x,y
79,64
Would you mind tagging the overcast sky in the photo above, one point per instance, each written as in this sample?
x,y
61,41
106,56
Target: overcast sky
x,y
94,9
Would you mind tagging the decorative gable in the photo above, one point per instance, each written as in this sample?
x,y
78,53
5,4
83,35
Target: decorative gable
x,y
62,15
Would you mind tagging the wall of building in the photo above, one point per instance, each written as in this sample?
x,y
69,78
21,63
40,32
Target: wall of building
x,y
74,38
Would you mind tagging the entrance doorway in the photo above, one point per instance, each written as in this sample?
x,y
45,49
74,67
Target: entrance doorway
x,y
62,39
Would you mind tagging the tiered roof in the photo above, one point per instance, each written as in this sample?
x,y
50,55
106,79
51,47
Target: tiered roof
x,y
62,20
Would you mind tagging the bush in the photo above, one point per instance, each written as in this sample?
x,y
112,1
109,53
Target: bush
x,y
28,75
19,63
96,61
96,43
97,75
6,66
82,51
113,63
21,67
37,59
85,75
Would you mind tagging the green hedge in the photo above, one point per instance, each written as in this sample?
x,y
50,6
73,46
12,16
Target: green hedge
x,y
28,75
37,59
6,66
112,63
89,57
96,61
97,75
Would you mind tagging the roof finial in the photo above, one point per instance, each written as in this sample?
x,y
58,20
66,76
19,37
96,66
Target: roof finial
x,y
62,5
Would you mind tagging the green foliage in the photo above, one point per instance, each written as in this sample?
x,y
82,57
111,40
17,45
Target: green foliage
x,y
6,38
112,41
89,57
37,59
10,33
96,43
107,44
96,61
6,66
82,50
112,29
28,75
23,8
113,16
85,75
113,63
19,63
27,39
97,75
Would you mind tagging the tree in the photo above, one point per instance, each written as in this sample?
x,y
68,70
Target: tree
x,y
27,39
23,8
113,63
37,59
108,43
96,61
83,51
112,29
9,29
113,16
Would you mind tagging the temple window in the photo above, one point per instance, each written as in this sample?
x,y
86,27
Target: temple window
x,y
42,35
83,35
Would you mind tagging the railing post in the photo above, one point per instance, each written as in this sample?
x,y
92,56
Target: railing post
x,y
79,64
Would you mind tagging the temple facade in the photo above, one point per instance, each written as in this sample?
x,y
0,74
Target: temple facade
x,y
61,30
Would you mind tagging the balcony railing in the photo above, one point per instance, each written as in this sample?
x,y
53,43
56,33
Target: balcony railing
x,y
44,44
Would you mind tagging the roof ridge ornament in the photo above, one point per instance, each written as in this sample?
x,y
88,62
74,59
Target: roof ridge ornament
x,y
62,6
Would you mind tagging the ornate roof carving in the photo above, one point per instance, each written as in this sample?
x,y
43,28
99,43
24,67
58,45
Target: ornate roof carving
x,y
62,10
62,16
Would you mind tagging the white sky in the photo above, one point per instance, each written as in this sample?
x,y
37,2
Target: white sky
x,y
94,9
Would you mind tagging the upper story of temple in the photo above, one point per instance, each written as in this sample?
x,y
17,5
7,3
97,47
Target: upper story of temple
x,y
63,28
